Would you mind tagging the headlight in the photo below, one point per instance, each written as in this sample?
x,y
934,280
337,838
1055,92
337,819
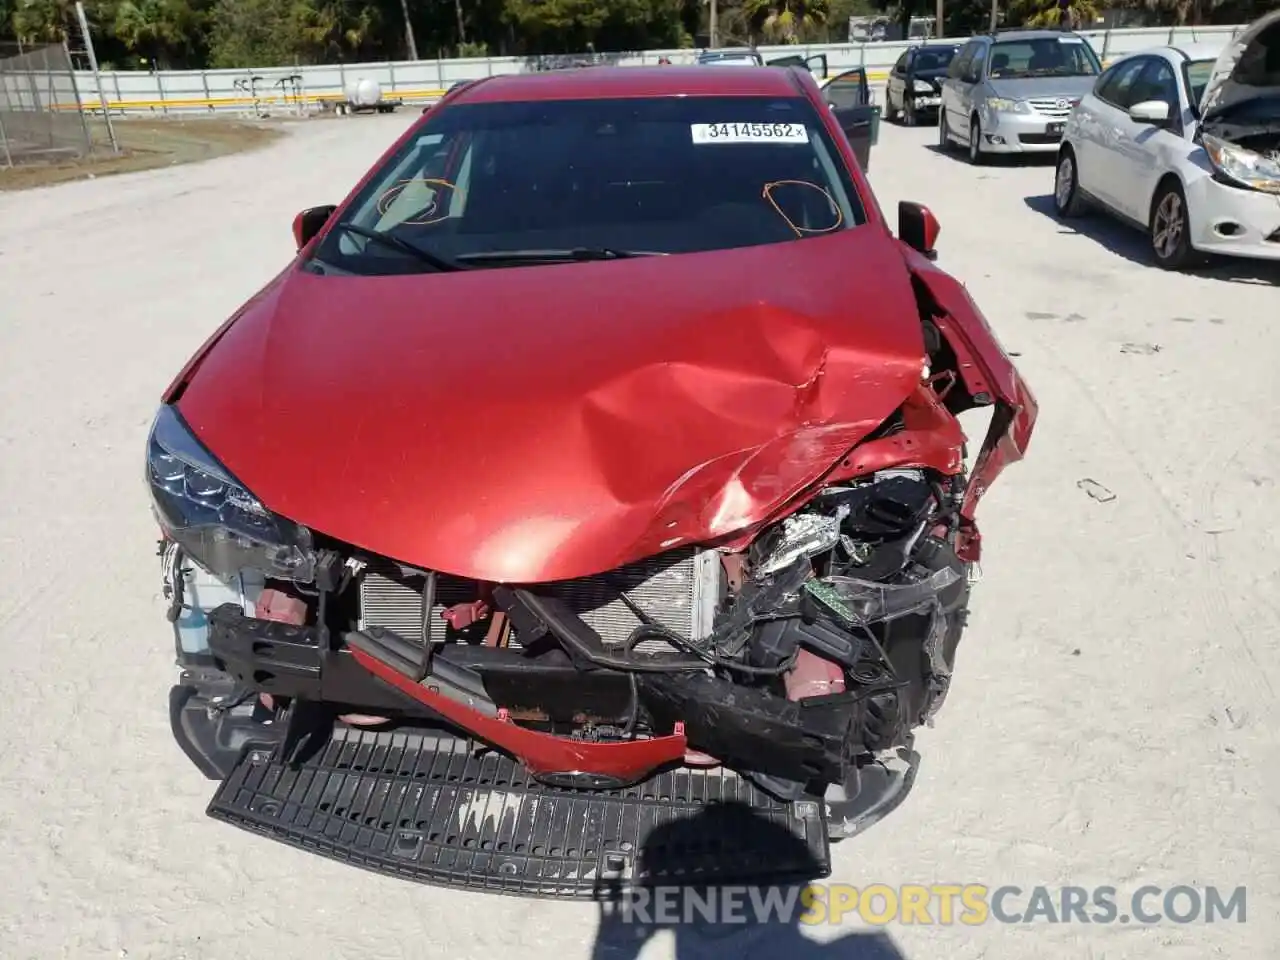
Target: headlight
x,y
206,511
1242,166
922,86
1001,105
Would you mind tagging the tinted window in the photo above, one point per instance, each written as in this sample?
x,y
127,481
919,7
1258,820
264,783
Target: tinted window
x,y
934,59
960,65
1116,87
666,174
1065,56
979,61
1157,82
901,65
845,91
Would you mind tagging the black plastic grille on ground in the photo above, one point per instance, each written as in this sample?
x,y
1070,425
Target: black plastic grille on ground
x,y
429,809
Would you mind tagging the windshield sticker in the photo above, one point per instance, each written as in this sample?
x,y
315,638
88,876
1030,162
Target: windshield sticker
x,y
1070,40
749,133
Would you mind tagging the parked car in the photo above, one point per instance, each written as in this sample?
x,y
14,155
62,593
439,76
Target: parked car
x,y
915,82
1011,92
731,57
605,428
1184,141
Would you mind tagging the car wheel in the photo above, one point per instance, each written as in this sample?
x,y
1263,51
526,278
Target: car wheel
x,y
909,112
1067,201
890,114
944,138
1170,228
976,156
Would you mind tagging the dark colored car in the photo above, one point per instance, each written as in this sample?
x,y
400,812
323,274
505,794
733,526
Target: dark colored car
x,y
915,82
595,459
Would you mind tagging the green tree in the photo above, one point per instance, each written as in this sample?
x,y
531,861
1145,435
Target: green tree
x,y
786,21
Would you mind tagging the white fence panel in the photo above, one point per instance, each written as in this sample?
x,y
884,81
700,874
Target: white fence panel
x,y
423,81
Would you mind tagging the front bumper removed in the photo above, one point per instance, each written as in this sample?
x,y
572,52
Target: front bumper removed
x,y
438,800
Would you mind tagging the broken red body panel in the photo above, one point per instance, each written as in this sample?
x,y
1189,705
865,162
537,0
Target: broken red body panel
x,y
542,753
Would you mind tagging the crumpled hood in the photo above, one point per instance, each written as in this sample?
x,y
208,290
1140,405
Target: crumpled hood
x,y
1247,67
544,423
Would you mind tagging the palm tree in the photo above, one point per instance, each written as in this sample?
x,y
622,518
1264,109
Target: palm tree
x,y
785,21
1048,13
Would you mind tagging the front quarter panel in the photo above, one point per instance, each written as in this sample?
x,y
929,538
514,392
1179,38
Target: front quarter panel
x,y
989,376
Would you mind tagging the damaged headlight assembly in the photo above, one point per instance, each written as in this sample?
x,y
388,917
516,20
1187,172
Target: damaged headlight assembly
x,y
1242,167
211,516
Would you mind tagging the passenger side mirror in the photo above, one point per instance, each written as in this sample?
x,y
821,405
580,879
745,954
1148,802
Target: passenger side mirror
x,y
1155,112
918,228
310,222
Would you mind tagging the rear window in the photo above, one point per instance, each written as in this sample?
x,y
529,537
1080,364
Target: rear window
x,y
1066,56
935,59
662,175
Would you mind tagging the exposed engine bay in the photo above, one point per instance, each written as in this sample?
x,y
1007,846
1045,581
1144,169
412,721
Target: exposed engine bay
x,y
851,606
795,661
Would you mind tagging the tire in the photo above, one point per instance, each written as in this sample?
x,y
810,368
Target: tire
x,y
909,116
1169,228
1067,202
890,114
944,139
976,156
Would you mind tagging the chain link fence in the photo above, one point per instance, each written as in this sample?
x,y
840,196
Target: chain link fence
x,y
41,119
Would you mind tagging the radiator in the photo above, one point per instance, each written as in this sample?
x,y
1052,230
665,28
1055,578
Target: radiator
x,y
679,589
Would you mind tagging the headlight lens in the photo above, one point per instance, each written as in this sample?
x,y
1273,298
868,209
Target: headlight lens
x,y
922,86
1002,105
217,522
1242,166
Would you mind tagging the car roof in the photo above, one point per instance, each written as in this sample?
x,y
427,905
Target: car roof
x,y
612,83
1189,51
1029,34
1199,51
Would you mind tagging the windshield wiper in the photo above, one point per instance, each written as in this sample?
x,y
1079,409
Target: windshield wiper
x,y
398,243
566,255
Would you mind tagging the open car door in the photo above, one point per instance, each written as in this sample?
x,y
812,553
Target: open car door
x,y
813,64
849,97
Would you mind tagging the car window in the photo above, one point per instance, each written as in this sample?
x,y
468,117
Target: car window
x,y
663,174
845,90
901,66
1116,88
979,61
960,65
938,59
1065,56
1197,74
1157,81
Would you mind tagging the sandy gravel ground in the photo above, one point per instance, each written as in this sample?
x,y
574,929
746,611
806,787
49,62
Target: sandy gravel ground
x,y
1114,719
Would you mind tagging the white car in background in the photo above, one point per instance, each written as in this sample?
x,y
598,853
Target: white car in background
x,y
1183,141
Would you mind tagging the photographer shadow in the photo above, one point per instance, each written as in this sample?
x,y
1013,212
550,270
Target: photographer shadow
x,y
760,922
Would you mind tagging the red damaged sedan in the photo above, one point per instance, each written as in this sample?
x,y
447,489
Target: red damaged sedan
x,y
594,465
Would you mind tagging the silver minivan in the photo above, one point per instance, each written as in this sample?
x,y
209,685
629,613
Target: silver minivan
x,y
1012,91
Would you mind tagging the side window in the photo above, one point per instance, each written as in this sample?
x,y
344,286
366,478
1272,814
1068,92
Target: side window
x,y
1157,82
979,61
901,66
845,90
1116,85
960,65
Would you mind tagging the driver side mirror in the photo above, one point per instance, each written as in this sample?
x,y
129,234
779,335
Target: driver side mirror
x,y
1155,112
310,222
918,228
